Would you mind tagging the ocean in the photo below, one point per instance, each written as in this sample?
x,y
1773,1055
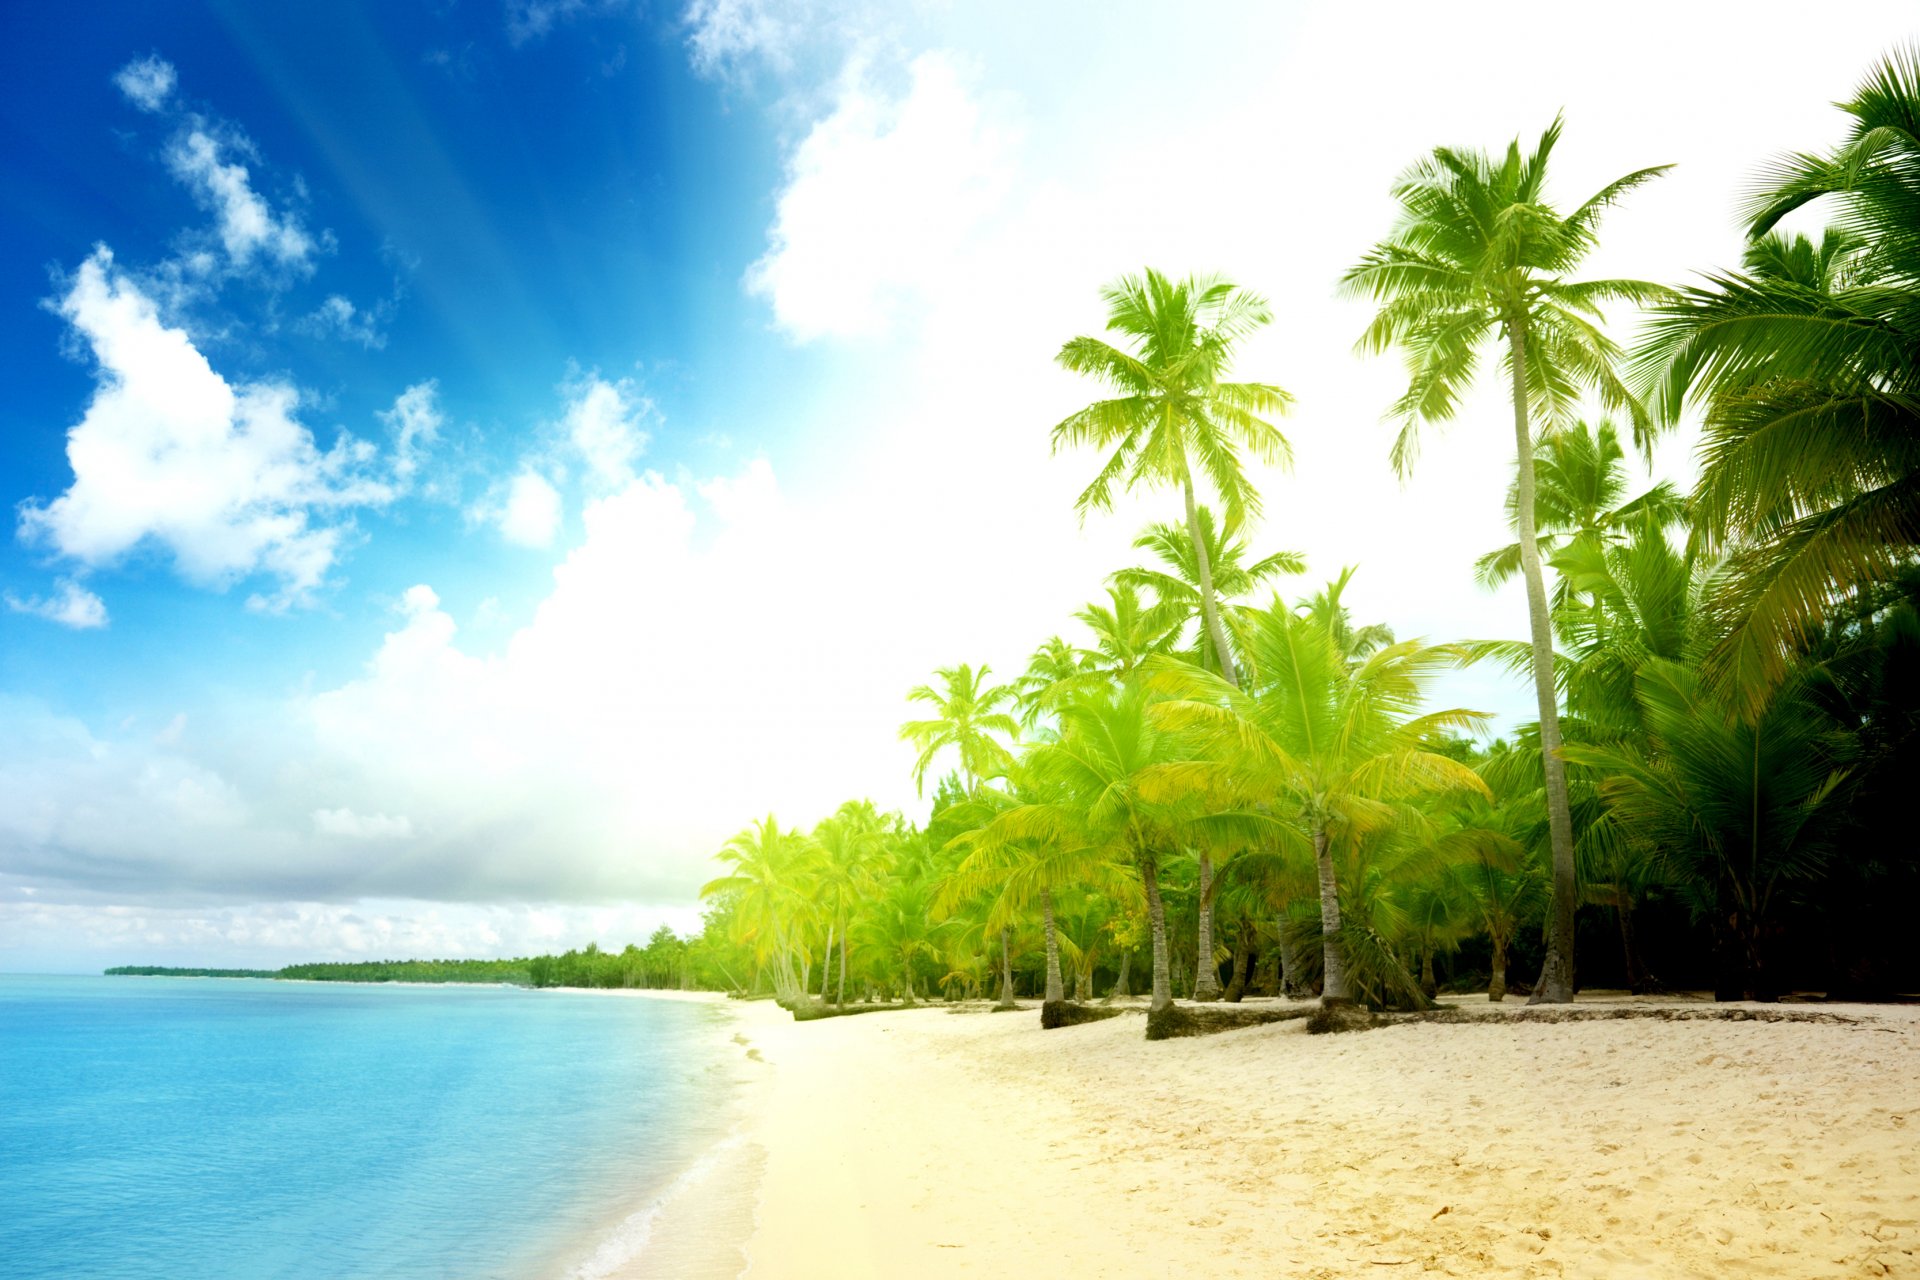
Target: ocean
x,y
236,1129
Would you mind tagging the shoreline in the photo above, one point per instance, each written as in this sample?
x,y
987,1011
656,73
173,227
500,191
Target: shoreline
x,y
949,1141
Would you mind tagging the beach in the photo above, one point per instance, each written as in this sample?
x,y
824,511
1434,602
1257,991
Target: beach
x,y
935,1142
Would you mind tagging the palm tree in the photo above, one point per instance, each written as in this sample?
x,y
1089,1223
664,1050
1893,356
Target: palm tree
x,y
1737,806
1808,364
1328,610
967,713
1126,631
1478,253
1173,411
1579,500
1022,871
1176,584
1106,794
770,896
851,844
1052,671
1333,747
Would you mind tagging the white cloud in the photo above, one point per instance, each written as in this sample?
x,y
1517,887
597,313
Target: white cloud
x,y
530,514
884,200
724,34
148,82
248,226
415,421
603,424
222,477
357,826
72,605
337,317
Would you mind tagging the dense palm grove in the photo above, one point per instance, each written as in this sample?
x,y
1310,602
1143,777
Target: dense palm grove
x,y
1238,787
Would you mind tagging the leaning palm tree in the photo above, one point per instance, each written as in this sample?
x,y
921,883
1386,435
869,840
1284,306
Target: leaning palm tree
x,y
1479,254
1331,748
1175,412
968,712
1808,364
770,897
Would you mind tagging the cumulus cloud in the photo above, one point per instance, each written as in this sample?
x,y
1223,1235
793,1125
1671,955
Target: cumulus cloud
x,y
148,82
603,423
71,605
361,826
248,227
337,317
883,202
222,477
529,516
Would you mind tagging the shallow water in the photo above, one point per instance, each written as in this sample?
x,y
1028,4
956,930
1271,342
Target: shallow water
x,y
229,1129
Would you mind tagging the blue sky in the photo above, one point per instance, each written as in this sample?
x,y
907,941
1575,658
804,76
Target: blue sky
x,y
581,199
467,459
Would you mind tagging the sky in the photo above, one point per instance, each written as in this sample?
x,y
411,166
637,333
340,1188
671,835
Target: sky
x,y
466,460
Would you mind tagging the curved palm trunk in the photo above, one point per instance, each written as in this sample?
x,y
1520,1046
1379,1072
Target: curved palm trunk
x,y
1333,985
1209,607
1556,975
1157,922
1056,990
1242,970
1121,990
1206,974
1006,974
1290,985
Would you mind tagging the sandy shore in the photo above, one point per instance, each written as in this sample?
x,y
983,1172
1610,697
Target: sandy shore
x,y
934,1143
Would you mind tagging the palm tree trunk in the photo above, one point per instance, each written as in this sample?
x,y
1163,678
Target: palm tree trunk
x,y
826,964
1289,965
1121,990
1056,990
1556,975
843,970
1428,986
1333,985
1497,986
1206,974
1006,974
1157,925
1209,608
1638,980
1242,971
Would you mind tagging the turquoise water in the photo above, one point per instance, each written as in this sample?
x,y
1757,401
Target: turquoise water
x,y
234,1129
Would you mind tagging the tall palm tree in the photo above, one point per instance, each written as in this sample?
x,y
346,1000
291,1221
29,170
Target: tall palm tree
x,y
968,712
1479,254
1332,746
1808,364
1174,411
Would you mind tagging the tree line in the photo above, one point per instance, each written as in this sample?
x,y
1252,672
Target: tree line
x,y
1243,788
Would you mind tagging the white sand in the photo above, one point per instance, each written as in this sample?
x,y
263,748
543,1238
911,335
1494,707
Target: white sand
x,y
928,1143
